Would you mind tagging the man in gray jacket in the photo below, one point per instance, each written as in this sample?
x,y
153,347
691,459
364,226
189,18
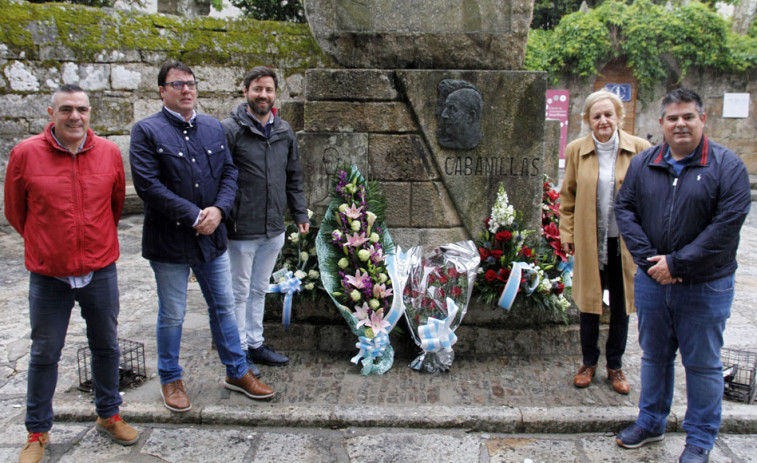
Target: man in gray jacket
x,y
264,149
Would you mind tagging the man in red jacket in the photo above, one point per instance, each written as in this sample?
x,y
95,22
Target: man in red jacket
x,y
64,193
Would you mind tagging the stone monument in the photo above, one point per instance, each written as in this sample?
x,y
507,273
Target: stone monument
x,y
433,104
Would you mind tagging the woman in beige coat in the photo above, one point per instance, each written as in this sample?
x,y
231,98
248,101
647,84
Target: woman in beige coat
x,y
595,167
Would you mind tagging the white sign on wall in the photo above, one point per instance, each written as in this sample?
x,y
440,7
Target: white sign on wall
x,y
736,105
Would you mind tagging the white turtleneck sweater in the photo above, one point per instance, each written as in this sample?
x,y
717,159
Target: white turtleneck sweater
x,y
607,153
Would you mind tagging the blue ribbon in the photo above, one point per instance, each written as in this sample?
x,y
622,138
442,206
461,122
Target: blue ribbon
x,y
511,288
371,347
289,286
567,271
436,334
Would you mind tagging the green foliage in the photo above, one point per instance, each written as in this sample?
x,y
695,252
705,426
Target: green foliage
x,y
95,3
272,10
547,13
655,41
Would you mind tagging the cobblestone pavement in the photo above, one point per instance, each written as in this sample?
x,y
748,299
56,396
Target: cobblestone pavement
x,y
78,442
487,408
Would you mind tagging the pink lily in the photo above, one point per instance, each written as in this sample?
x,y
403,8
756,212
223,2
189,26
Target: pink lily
x,y
361,313
353,212
357,281
380,291
378,324
377,255
356,240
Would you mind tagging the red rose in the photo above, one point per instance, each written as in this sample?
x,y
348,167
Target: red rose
x,y
503,236
496,253
490,275
483,253
486,222
504,274
559,288
456,291
440,294
443,279
431,278
453,273
526,251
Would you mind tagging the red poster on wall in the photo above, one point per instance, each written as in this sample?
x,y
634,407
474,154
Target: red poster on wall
x,y
558,107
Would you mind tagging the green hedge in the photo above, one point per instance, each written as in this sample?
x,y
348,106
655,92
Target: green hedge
x,y
656,42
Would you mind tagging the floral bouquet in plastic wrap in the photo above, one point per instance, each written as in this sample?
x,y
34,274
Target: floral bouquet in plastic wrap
x,y
509,266
352,247
436,294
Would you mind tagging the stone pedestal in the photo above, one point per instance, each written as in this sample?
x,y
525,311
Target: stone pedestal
x,y
389,124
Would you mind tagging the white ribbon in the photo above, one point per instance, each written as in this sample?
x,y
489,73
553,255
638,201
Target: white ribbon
x,y
436,334
513,284
288,287
396,265
371,347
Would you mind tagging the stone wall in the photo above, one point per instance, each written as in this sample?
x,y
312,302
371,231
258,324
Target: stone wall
x,y
737,134
115,56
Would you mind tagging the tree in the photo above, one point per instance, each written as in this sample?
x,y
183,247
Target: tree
x,y
658,43
547,13
272,10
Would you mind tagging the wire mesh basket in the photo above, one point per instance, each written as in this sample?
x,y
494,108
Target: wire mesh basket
x,y
131,367
739,368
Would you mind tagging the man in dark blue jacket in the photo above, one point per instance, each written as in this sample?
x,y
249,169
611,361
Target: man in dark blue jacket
x,y
680,211
183,172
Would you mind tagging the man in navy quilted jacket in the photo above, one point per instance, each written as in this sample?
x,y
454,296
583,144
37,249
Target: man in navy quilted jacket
x,y
183,172
680,211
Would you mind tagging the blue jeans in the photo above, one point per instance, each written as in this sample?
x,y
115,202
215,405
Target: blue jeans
x,y
50,304
215,282
252,262
690,318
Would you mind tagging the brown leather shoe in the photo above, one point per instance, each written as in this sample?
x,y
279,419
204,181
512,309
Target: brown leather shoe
x,y
34,449
619,382
250,386
117,429
174,397
584,376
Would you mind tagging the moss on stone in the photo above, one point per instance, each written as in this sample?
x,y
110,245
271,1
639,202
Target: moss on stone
x,y
88,32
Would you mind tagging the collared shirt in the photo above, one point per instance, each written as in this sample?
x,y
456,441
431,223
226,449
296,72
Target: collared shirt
x,y
680,164
174,113
84,140
265,130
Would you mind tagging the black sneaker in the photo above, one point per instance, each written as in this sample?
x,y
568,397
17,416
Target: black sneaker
x,y
251,365
266,356
694,454
635,436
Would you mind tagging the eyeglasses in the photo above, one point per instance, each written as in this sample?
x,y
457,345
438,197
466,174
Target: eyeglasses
x,y
179,84
70,109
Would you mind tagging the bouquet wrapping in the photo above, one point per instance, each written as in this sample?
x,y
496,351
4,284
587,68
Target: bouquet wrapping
x,y
352,247
436,293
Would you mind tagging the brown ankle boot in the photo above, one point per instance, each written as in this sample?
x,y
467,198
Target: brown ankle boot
x,y
584,376
34,450
619,382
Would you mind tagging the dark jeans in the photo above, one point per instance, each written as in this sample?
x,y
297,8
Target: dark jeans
x,y
612,280
50,304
